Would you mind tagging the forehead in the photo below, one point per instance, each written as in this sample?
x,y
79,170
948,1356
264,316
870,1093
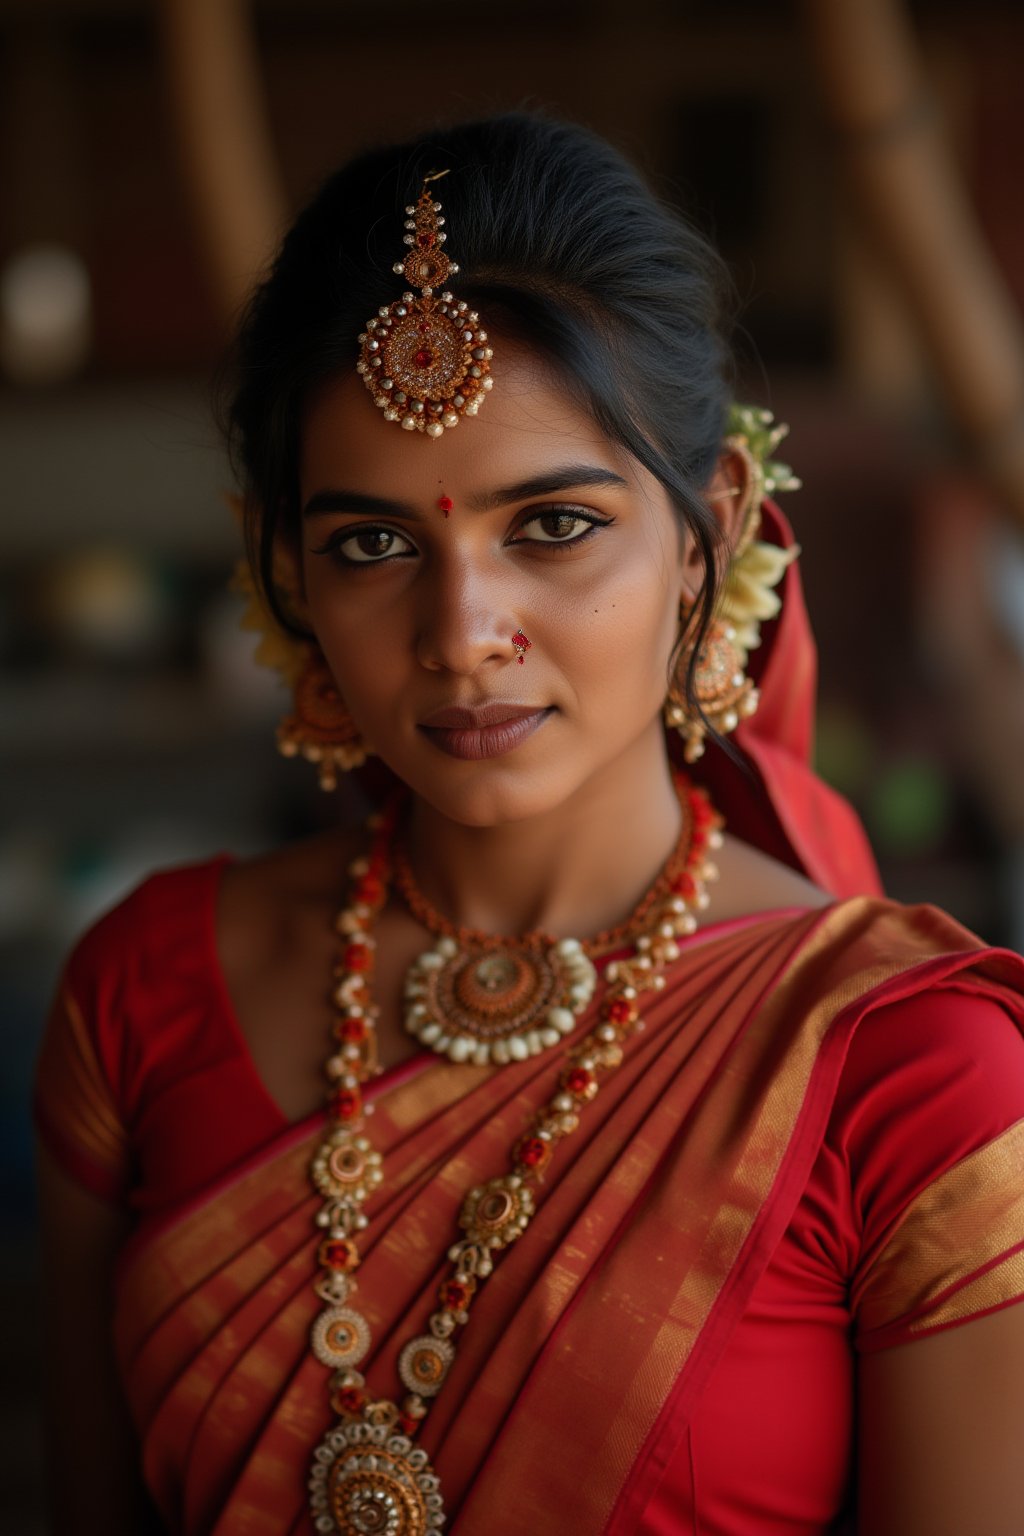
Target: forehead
x,y
527,423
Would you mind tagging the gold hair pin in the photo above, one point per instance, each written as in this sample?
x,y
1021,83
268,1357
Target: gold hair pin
x,y
425,360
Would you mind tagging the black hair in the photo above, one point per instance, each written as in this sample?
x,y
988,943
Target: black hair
x,y
553,229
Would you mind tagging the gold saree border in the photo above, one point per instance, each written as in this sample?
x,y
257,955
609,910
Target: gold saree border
x,y
176,1254
956,1250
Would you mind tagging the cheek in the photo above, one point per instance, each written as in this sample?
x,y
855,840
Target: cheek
x,y
620,632
363,627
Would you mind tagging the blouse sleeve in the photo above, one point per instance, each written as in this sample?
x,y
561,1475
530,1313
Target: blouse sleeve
x,y
93,1054
74,1105
931,1126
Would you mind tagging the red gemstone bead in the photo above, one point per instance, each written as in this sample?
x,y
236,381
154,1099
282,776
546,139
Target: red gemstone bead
x,y
446,504
338,1253
407,1424
346,1103
578,1080
684,885
620,1011
353,1031
533,1151
455,1294
356,957
350,1400
426,240
423,358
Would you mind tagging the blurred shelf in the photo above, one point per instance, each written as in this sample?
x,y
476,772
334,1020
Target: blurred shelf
x,y
137,465
74,717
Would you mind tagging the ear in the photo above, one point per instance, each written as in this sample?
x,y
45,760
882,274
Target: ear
x,y
728,495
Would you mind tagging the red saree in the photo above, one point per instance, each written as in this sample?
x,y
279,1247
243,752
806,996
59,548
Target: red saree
x,y
777,1153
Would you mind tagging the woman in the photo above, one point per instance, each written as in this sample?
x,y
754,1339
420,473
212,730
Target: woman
x,y
641,1202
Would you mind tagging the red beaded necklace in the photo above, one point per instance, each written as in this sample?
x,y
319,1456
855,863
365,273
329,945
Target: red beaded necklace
x,y
368,1475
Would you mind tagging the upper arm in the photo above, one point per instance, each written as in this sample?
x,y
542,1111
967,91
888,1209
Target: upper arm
x,y
94,1482
936,1146
940,1432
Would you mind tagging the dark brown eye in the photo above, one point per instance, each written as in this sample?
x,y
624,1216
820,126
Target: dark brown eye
x,y
558,527
377,542
368,546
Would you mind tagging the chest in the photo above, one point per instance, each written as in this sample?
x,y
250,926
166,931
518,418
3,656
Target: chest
x,y
283,1006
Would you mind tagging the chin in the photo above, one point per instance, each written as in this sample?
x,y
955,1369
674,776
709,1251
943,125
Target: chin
x,y
485,794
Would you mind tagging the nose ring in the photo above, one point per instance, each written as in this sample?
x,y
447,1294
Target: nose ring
x,y
522,645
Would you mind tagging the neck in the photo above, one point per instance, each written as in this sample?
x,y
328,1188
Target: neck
x,y
571,871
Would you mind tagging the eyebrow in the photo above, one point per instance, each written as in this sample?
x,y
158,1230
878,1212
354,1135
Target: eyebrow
x,y
548,483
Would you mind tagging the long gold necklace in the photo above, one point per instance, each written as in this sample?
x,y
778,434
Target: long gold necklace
x,y
368,1477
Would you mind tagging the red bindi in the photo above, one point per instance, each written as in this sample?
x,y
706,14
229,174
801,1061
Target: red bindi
x,y
446,504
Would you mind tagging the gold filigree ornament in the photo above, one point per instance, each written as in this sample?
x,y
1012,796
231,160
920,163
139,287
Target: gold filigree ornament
x,y
318,727
426,360
494,1004
340,1337
368,1481
423,1364
497,1213
346,1165
724,692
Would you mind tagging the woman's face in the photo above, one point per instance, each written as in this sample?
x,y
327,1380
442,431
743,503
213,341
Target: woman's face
x,y
553,531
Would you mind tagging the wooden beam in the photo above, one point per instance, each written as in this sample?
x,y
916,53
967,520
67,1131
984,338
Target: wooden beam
x,y
907,188
224,141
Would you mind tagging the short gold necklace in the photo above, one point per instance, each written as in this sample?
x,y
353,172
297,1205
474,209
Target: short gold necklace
x,y
368,1477
482,997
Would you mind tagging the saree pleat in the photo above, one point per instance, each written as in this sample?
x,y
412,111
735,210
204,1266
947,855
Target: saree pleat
x,y
602,1322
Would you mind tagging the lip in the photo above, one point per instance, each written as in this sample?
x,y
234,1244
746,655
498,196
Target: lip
x,y
489,731
462,718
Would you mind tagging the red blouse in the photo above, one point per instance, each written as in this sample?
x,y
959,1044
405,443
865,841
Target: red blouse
x,y
927,1082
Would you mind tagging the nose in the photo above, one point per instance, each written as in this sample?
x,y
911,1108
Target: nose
x,y
465,620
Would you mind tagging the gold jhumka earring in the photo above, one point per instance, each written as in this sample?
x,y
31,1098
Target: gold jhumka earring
x,y
320,728
724,693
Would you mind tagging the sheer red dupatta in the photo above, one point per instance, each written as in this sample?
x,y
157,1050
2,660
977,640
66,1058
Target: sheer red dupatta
x,y
661,1213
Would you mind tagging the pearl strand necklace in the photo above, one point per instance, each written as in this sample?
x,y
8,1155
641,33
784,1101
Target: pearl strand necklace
x,y
368,1478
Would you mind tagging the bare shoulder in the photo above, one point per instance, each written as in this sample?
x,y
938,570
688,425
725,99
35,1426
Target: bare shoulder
x,y
266,904
751,881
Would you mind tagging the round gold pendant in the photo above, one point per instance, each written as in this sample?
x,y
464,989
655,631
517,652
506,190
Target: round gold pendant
x,y
425,360
367,1481
501,1005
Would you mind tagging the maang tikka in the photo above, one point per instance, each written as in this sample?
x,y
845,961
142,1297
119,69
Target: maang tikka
x,y
425,360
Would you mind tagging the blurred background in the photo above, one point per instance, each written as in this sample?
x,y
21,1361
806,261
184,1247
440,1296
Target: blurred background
x,y
865,188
